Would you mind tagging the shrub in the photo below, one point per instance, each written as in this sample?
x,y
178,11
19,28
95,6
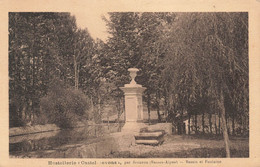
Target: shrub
x,y
64,106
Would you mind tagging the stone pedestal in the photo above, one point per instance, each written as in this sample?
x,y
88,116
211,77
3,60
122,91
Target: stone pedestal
x,y
133,104
134,116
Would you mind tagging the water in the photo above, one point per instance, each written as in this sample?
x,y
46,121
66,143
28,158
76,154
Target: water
x,y
91,141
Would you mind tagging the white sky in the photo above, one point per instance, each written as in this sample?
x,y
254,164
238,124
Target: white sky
x,y
92,20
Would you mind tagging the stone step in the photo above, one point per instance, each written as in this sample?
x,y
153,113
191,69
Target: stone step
x,y
149,138
149,135
150,142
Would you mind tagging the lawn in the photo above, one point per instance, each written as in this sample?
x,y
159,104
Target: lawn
x,y
184,146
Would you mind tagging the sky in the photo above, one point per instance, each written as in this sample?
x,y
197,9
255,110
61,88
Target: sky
x,y
92,20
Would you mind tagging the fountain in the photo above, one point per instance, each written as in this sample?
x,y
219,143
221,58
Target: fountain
x,y
137,132
133,103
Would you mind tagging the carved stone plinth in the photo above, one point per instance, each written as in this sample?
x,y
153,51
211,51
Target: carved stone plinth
x,y
133,104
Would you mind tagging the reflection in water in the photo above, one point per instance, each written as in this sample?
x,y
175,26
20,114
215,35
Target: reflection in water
x,y
35,136
59,143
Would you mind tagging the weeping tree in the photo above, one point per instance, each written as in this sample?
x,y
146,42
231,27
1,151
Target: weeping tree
x,y
207,64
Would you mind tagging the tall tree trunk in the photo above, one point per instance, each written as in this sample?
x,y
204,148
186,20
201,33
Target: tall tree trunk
x,y
118,112
27,95
33,88
196,123
166,105
98,108
216,127
158,105
224,124
219,129
75,72
166,109
118,109
210,122
99,105
92,106
227,122
233,123
33,76
20,114
244,125
78,81
189,124
148,107
203,122
123,108
181,123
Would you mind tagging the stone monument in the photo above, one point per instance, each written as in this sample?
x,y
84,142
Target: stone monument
x,y
133,104
135,131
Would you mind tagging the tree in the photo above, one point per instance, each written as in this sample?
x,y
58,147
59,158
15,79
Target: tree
x,y
41,48
153,53
197,61
135,41
208,59
83,50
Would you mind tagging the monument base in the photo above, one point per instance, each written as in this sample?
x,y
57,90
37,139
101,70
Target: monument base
x,y
133,127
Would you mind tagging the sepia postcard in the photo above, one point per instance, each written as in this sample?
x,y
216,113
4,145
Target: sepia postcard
x,y
129,83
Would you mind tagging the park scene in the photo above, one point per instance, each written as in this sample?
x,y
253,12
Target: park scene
x,y
159,85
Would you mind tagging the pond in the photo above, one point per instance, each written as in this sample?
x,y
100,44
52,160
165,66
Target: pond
x,y
88,142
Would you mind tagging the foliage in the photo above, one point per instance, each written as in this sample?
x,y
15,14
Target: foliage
x,y
208,63
135,41
64,105
206,59
196,63
43,46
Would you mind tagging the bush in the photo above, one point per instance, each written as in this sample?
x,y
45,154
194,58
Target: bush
x,y
64,106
